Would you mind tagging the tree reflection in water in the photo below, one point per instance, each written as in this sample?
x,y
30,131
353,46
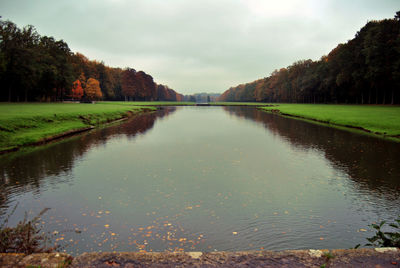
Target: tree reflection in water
x,y
31,171
371,163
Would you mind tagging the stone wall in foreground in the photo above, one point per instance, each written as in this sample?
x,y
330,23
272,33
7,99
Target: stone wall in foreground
x,y
377,258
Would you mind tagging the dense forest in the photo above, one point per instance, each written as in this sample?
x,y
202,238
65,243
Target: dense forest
x,y
40,68
365,70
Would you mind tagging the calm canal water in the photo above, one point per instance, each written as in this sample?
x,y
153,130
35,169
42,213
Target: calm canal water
x,y
205,179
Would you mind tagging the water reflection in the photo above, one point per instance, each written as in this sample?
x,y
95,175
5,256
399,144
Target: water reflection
x,y
370,162
51,164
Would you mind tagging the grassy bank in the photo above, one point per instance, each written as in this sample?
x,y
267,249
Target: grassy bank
x,y
382,120
28,123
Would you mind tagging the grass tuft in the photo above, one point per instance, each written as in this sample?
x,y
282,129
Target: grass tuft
x,y
25,237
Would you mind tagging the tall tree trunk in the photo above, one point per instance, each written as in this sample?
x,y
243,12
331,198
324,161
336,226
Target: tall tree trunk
x,y
392,102
376,96
384,97
369,96
362,97
9,94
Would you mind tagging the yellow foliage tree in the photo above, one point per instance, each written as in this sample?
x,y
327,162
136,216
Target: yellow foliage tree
x,y
92,90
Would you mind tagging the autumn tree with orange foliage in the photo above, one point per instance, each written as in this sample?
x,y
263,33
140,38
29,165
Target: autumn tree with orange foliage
x,y
92,90
77,90
129,84
82,79
148,87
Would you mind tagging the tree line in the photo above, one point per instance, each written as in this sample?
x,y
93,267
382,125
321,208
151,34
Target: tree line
x,y
365,70
40,68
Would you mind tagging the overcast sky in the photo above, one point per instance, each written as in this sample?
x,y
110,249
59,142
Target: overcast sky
x,y
199,45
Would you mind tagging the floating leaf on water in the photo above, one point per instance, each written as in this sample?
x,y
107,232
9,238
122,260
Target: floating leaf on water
x,y
106,225
362,230
234,233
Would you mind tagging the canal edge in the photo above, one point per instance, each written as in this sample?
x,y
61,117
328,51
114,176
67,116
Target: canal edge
x,y
366,257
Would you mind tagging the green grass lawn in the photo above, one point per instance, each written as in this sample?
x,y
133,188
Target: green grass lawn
x,y
27,123
375,118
